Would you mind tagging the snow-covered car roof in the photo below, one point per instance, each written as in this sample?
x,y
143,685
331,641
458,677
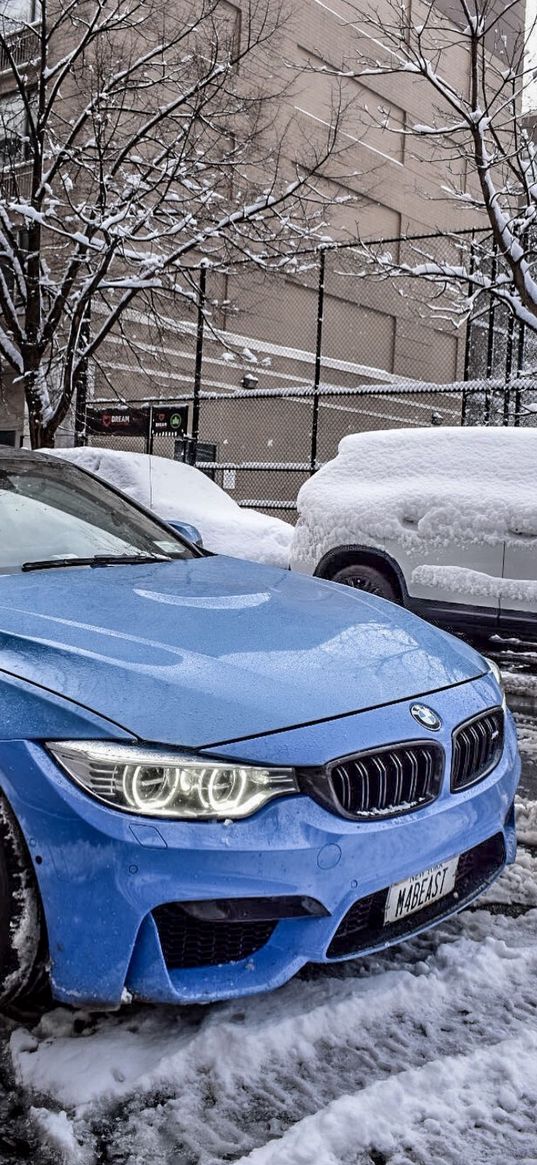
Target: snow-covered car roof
x,y
177,491
423,486
451,452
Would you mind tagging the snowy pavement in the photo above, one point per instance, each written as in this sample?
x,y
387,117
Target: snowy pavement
x,y
425,1055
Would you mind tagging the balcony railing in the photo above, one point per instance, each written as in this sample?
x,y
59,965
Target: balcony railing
x,y
16,182
22,46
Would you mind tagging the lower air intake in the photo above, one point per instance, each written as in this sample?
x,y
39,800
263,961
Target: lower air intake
x,y
187,941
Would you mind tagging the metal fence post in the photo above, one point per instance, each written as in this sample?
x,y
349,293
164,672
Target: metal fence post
x,y
318,360
469,338
519,364
81,380
508,369
202,296
490,338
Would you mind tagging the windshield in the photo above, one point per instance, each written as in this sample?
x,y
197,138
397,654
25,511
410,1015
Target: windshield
x,y
51,511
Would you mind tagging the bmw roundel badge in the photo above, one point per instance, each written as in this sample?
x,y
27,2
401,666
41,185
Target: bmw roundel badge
x,y
426,717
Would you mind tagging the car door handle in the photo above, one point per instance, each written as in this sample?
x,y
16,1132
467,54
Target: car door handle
x,y
523,533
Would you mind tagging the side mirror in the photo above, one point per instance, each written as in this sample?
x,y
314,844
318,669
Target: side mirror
x,y
191,533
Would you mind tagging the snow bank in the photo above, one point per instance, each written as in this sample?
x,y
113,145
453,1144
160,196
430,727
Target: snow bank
x,y
520,684
57,1133
518,883
526,727
440,1102
175,490
526,821
420,489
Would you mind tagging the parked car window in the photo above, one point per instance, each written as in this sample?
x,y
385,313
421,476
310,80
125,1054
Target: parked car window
x,y
48,512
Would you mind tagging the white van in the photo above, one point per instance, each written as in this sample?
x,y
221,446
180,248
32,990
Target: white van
x,y
442,520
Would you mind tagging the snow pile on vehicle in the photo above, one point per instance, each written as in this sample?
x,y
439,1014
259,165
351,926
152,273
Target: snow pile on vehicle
x,y
226,528
463,581
177,491
420,489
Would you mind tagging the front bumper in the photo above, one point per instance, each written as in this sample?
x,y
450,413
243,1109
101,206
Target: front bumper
x,y
102,875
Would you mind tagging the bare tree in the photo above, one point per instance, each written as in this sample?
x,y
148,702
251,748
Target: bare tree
x,y
468,63
138,140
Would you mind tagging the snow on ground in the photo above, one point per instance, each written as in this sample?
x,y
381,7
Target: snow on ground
x,y
518,666
517,683
426,1054
422,1055
527,737
527,822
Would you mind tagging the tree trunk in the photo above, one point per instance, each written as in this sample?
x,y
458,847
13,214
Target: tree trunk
x,y
40,435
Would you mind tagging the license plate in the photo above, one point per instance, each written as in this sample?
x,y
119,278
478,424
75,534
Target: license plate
x,y
419,891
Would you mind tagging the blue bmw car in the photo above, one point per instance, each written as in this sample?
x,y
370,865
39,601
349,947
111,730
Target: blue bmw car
x,y
213,772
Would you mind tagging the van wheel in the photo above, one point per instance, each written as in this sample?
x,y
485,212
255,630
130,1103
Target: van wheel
x,y
22,958
367,578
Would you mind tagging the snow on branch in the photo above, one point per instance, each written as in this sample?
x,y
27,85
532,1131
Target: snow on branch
x,y
474,80
141,144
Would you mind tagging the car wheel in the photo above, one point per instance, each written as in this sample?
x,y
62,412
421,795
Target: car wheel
x,y
22,965
367,578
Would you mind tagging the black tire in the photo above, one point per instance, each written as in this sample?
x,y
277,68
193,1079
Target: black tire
x,y
22,939
367,578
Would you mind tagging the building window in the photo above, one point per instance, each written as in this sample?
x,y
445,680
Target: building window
x,y
13,131
18,38
228,28
13,13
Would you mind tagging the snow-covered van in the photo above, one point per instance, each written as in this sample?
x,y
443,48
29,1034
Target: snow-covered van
x,y
442,520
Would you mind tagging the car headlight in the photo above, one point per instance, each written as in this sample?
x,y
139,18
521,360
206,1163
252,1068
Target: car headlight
x,y
495,671
160,783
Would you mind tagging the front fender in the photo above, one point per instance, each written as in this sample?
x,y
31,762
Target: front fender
x,y
30,712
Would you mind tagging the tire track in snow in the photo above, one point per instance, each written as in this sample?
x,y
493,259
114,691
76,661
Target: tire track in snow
x,y
477,1107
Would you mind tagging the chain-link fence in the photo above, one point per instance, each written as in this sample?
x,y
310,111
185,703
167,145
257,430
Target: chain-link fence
x,y
261,445
260,380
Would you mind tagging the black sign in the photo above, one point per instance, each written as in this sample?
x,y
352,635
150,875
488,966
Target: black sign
x,y
124,420
192,452
170,419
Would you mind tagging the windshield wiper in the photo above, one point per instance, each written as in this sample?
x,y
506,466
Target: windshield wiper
x,y
95,560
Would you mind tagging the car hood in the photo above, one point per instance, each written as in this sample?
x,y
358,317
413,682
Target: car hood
x,y
209,650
